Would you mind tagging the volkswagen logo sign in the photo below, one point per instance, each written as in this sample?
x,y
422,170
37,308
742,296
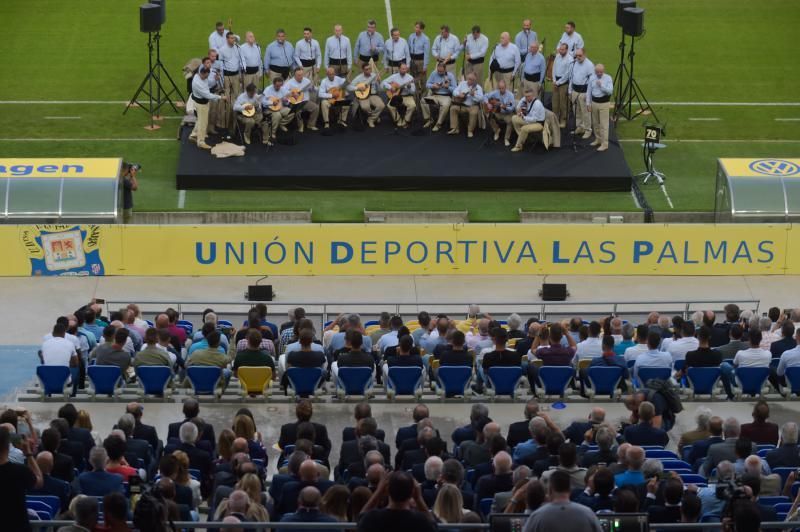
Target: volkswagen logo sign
x,y
774,167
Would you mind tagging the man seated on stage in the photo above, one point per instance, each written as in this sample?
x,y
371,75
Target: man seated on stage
x,y
275,105
327,99
301,84
440,86
365,87
248,112
529,118
467,98
500,106
598,102
400,91
201,96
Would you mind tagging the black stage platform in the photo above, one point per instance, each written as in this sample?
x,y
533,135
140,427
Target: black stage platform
x,y
378,159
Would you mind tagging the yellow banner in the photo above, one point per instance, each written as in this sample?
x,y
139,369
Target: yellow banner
x,y
762,167
343,249
56,168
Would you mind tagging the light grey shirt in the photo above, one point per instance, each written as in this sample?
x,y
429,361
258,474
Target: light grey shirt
x,y
280,55
396,51
506,56
251,53
442,48
420,44
523,41
476,48
338,48
368,45
308,51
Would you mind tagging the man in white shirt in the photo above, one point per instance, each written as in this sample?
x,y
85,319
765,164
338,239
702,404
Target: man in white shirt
x,y
641,344
652,358
592,346
687,342
561,71
403,101
275,96
396,52
571,38
475,48
754,357
529,118
218,37
328,84
57,350
338,52
467,98
446,48
299,83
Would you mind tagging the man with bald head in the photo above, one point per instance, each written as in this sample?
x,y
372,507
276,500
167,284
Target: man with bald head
x,y
576,432
50,484
533,70
308,508
633,476
506,59
309,477
499,480
519,431
598,102
525,37
375,474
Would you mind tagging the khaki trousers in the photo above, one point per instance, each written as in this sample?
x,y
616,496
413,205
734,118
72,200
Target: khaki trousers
x,y
533,85
341,70
233,88
279,118
600,112
201,125
255,79
372,107
495,121
326,106
410,105
444,107
247,124
583,118
476,68
471,111
561,103
508,77
216,114
419,73
312,108
524,129
308,72
271,74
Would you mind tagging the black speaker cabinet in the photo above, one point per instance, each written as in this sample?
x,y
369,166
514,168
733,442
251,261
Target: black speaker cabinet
x,y
621,5
149,18
633,21
260,292
163,5
554,292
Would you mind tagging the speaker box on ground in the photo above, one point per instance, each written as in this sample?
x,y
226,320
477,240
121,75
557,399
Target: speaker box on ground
x,y
554,292
260,292
621,5
633,21
149,18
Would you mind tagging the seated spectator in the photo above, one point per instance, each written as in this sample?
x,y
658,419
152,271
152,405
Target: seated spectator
x,y
198,458
406,509
754,483
554,441
105,342
213,354
412,452
628,331
404,357
607,358
115,512
117,356
354,358
554,354
527,498
753,357
787,340
771,483
644,433
626,501
391,338
670,511
686,342
360,411
529,447
201,338
710,502
478,411
703,356
599,486
519,477
183,478
664,416
499,480
592,346
519,431
501,356
352,451
652,358
84,509
56,350
633,352
561,512
191,411
760,431
267,344
604,455
734,343
449,505
633,476
135,447
787,453
98,481
309,477
309,354
335,503
62,464
153,354
169,467
253,355
701,432
725,450
577,430
348,322
621,465
115,448
452,473
456,354
478,337
525,344
474,452
789,359
567,462
303,411
51,485
700,447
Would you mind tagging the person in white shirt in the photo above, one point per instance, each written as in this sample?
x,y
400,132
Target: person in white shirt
x,y
395,52
467,98
330,83
299,83
598,102
403,101
652,358
561,70
580,71
475,47
446,48
571,38
687,342
307,54
274,97
641,344
529,118
58,351
218,37
592,346
505,60
338,52
391,338
789,359
754,357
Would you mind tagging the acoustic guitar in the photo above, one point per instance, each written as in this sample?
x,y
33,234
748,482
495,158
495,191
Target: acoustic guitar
x,y
295,96
362,91
249,110
395,89
337,95
275,104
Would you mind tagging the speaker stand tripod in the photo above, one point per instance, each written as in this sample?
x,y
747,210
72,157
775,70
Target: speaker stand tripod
x,y
628,89
153,82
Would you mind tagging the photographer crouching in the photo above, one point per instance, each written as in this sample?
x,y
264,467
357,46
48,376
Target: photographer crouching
x,y
129,186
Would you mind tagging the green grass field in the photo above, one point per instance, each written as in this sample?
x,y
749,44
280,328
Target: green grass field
x,y
694,51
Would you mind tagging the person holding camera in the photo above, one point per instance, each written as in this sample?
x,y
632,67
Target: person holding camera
x,y
129,186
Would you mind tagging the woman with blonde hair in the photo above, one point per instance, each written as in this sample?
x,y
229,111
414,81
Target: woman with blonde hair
x,y
84,421
224,444
335,502
449,505
244,427
183,478
256,512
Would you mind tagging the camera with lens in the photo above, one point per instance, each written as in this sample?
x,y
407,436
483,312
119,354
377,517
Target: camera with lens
x,y
731,492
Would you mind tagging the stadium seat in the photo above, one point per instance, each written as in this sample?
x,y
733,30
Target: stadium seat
x,y
453,380
645,374
691,478
686,451
53,380
751,381
584,364
304,382
795,489
554,380
604,381
224,324
486,506
772,501
187,326
471,477
104,380
255,380
661,454
50,502
710,518
195,474
150,324
792,382
153,380
404,381
702,381
765,447
372,323
205,380
782,507
354,381
672,465
503,381
784,473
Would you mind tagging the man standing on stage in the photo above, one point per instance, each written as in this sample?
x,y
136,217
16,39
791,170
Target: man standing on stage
x,y
475,52
232,69
201,96
571,38
582,69
420,47
505,60
598,101
446,48
251,55
308,55
338,52
369,45
561,70
525,38
279,57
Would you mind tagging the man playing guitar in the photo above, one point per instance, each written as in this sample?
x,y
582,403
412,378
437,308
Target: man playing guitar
x,y
365,88
332,94
499,104
440,91
275,104
400,91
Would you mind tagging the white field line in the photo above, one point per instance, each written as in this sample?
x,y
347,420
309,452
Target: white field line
x,y
705,119
388,5
787,119
181,198
62,117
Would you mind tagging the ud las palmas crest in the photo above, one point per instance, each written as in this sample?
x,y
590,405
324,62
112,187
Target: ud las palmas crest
x,y
63,249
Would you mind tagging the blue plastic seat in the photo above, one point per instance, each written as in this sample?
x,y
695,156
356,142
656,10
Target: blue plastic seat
x,y
702,380
782,507
354,381
645,374
503,380
661,454
686,451
453,380
224,324
370,323
670,465
187,326
710,518
50,502
772,501
604,380
471,477
105,380
691,478
53,380
792,381
195,474
205,380
486,506
304,381
404,380
153,380
795,489
555,379
751,380
784,473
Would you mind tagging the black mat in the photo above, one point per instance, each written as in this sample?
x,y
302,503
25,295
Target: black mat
x,y
379,159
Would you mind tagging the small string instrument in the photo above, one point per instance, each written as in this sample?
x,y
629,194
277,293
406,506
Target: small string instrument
x,y
337,95
362,90
295,96
249,110
275,103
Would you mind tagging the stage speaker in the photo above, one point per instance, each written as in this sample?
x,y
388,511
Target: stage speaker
x,y
163,5
259,292
149,18
621,5
633,21
554,292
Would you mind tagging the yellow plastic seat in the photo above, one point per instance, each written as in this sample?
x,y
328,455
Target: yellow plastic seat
x,y
464,326
537,362
584,363
412,323
512,343
434,364
371,329
255,380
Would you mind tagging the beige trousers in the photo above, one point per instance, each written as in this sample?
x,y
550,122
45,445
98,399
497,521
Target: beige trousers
x,y
325,107
583,118
279,118
312,108
600,112
372,107
201,125
444,107
560,102
410,105
471,111
524,129
495,121
476,69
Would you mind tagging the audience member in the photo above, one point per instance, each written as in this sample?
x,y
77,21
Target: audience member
x,y
406,510
560,512
760,431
